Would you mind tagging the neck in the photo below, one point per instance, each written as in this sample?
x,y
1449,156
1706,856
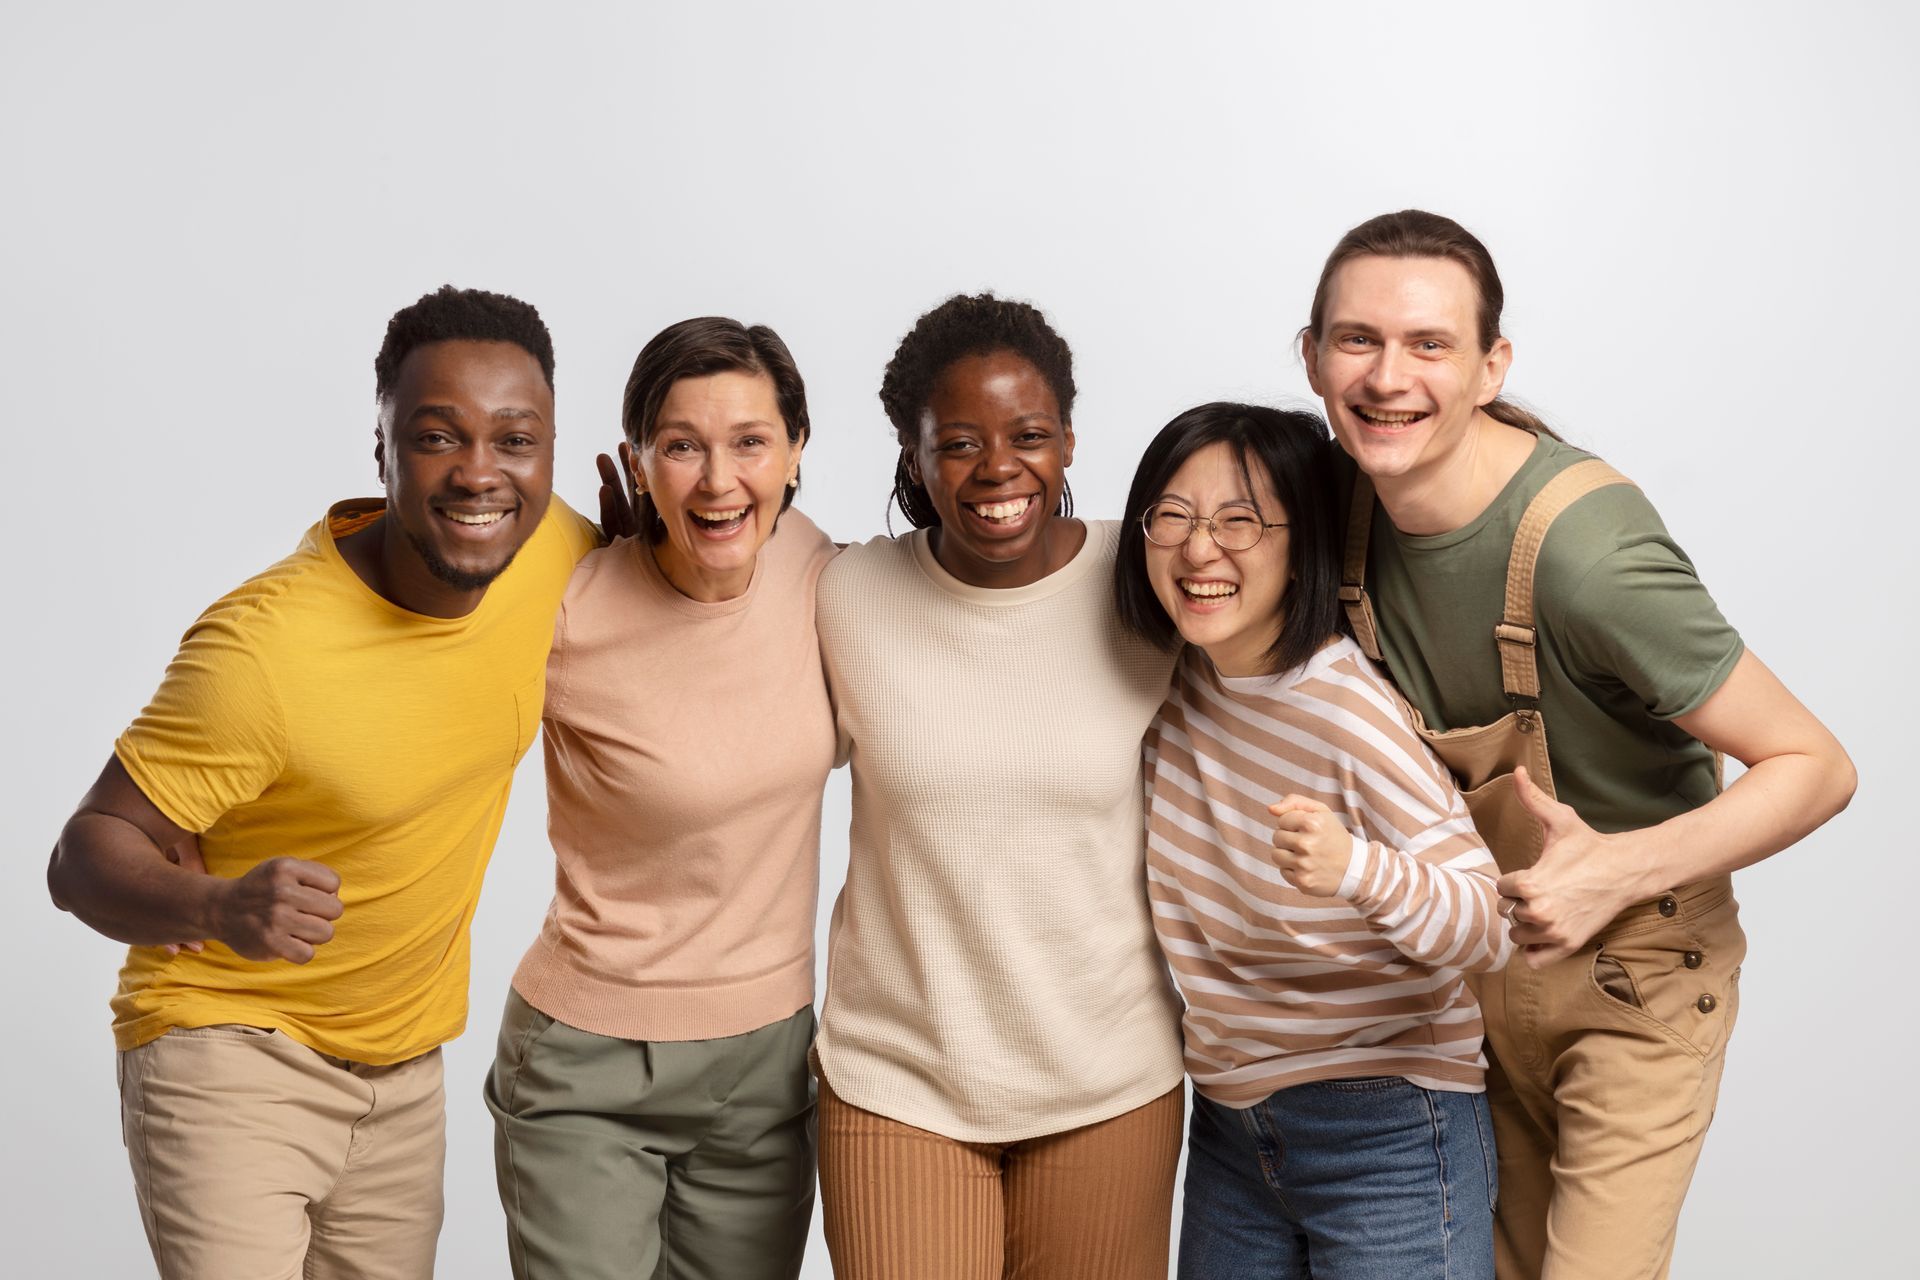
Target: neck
x,y
1445,493
1057,544
381,557
706,588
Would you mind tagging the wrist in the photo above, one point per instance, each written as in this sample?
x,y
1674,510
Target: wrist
x,y
209,907
1645,872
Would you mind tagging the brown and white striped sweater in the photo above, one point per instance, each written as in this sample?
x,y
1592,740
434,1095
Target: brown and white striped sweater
x,y
1282,987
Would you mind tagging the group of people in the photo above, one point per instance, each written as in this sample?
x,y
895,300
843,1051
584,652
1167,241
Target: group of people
x,y
1251,786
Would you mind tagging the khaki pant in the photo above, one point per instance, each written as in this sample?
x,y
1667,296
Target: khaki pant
x,y
689,1159
1605,1069
256,1158
1093,1203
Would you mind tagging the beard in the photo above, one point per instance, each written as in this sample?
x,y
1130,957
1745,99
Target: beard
x,y
457,578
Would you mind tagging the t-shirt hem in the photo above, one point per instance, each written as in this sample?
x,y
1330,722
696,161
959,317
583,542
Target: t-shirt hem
x,y
1442,1079
950,1126
661,1012
132,1033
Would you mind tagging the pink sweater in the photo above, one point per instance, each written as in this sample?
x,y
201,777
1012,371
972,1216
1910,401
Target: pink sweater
x,y
687,745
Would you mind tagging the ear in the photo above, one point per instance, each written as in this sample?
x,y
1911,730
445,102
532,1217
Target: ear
x,y
1066,440
1493,371
1310,357
911,457
631,456
380,451
793,463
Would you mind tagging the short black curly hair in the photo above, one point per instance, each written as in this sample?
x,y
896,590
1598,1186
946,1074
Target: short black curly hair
x,y
964,325
472,315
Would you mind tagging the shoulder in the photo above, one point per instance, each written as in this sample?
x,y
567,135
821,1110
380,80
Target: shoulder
x,y
274,605
570,534
860,564
1608,529
799,545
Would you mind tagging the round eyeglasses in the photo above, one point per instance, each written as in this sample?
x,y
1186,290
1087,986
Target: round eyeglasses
x,y
1234,527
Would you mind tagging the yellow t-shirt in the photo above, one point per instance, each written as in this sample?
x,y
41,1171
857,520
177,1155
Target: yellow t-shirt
x,y
306,715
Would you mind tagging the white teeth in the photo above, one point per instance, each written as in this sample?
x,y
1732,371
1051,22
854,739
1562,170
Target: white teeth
x,y
478,517
1002,510
1210,590
1388,415
721,516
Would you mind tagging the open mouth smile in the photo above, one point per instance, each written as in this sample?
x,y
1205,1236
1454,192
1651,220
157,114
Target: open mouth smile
x,y
473,523
1003,514
720,522
1207,591
1387,419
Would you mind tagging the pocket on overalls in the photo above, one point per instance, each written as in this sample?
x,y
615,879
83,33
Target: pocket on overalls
x,y
1681,975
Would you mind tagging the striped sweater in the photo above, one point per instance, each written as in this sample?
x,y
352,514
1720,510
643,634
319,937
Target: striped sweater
x,y
1282,987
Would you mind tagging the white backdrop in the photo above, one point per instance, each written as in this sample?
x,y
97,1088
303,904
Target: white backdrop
x,y
1703,214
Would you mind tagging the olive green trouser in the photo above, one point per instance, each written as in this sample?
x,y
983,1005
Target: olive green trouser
x,y
688,1160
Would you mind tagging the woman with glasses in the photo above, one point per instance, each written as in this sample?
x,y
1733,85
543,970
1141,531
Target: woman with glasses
x,y
1317,884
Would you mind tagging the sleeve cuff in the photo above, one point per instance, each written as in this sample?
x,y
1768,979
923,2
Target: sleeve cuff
x,y
1356,870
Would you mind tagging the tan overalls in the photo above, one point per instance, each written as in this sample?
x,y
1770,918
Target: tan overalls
x,y
1604,1066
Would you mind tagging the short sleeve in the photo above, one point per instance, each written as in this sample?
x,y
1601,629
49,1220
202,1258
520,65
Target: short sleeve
x,y
1641,617
214,736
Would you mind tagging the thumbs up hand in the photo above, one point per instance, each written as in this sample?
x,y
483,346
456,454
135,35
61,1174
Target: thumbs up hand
x,y
1582,880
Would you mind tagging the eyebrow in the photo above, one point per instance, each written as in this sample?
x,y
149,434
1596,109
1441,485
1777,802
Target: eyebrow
x,y
452,413
964,424
1190,505
758,424
1413,335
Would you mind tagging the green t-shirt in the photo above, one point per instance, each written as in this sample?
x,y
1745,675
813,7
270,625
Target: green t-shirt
x,y
1628,639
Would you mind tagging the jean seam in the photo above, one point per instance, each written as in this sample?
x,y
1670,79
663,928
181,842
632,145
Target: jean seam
x,y
1437,1126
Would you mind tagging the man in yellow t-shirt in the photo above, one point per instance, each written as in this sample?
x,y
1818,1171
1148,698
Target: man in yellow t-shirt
x,y
340,733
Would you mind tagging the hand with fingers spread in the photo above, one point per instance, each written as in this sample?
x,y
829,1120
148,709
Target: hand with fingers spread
x,y
1311,847
281,909
1582,880
618,516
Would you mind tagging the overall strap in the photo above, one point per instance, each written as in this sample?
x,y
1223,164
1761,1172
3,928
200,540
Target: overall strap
x,y
1353,569
1515,636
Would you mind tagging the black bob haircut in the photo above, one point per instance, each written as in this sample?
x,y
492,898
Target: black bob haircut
x,y
699,348
965,325
460,315
1294,450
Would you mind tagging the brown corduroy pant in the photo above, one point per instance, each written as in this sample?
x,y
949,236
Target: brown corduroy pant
x,y
1093,1203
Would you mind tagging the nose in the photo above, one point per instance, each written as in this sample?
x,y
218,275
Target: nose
x,y
997,461
476,470
1387,375
1200,549
718,473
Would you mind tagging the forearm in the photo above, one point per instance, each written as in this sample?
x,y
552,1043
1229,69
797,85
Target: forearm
x,y
1776,803
109,874
1444,917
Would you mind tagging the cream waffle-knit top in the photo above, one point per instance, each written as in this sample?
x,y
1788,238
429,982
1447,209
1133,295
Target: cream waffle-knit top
x,y
992,972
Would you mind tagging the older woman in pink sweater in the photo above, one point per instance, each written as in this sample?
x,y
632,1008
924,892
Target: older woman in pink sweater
x,y
652,1101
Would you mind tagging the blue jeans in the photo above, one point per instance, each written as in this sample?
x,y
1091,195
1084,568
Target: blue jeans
x,y
1367,1179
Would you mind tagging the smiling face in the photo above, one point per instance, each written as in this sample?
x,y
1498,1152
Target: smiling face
x,y
1399,364
466,452
1225,602
993,454
717,465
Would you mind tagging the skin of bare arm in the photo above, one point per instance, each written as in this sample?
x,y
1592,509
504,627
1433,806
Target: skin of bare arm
x,y
127,871
1798,776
